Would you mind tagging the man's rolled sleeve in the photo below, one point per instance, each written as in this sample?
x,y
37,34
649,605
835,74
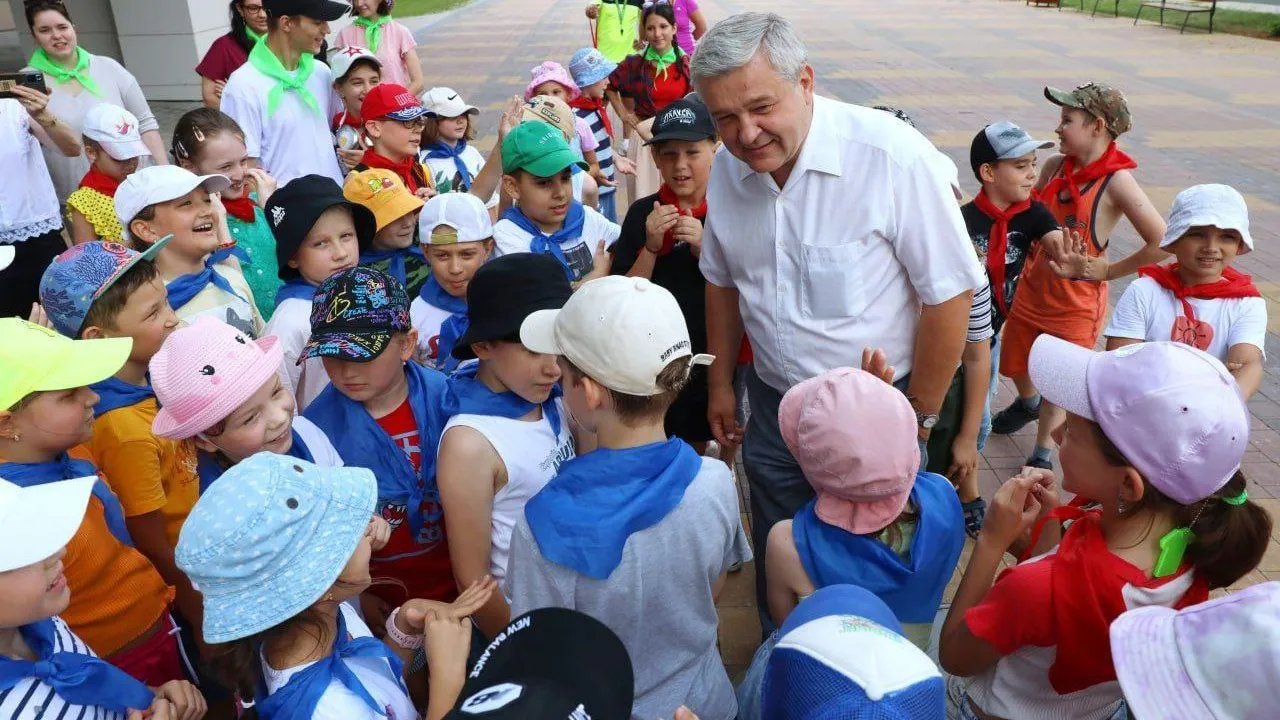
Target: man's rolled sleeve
x,y
931,241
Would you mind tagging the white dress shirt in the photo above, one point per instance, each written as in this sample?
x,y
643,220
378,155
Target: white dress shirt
x,y
841,258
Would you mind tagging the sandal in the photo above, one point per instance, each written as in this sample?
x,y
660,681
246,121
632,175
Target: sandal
x,y
975,511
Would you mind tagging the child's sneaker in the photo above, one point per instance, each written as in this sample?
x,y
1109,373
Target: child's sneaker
x,y
975,512
1013,418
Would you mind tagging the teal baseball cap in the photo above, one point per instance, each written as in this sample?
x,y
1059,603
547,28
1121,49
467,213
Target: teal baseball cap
x,y
539,149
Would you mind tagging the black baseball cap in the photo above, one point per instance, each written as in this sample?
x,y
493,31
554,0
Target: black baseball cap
x,y
325,10
505,291
354,315
294,209
684,119
550,664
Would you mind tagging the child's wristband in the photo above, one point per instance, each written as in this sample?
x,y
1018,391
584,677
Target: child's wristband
x,y
408,642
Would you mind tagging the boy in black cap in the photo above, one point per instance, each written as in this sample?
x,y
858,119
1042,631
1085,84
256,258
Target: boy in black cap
x,y
318,233
512,431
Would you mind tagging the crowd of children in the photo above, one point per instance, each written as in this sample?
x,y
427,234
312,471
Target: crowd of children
x,y
417,432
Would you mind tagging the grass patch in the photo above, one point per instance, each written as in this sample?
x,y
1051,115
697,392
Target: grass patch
x,y
409,8
1238,22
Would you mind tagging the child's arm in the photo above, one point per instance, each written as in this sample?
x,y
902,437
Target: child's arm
x,y
1128,324
602,261
151,538
1133,202
82,231
601,179
413,66
787,580
975,363
699,24
1244,360
486,182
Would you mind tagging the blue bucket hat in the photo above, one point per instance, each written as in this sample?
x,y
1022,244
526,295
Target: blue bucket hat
x,y
268,539
589,67
80,275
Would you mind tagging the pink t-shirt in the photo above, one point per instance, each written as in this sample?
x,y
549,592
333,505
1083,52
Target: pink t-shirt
x,y
586,138
684,26
396,40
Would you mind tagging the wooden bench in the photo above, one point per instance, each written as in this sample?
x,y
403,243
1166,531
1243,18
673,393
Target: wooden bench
x,y
1115,6
1045,3
1186,7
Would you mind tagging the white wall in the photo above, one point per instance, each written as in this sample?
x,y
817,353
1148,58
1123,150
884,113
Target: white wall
x,y
162,41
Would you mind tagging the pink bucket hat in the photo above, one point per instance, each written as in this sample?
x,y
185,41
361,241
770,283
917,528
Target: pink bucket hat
x,y
205,371
552,72
855,439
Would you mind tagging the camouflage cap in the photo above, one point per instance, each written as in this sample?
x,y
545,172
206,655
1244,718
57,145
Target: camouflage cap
x,y
1099,100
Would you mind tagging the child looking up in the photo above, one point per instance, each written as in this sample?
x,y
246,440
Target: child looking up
x,y
113,146
318,233
394,248
1200,300
393,123
209,142
591,71
602,535
393,43
1154,434
446,150
457,238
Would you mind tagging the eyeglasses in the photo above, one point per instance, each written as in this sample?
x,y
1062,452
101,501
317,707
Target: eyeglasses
x,y
416,125
253,9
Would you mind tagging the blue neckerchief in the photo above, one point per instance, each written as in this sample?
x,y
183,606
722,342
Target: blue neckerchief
x,y
396,268
439,150
299,448
67,468
361,441
543,243
209,466
298,699
183,289
475,398
454,327
296,289
77,679
230,251
114,393
912,588
583,517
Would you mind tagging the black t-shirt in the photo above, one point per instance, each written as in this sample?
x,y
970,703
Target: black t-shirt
x,y
1024,229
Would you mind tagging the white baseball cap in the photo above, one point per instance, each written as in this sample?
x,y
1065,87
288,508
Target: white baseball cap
x,y
37,521
341,60
6,255
116,130
444,102
463,212
621,331
1221,206
159,184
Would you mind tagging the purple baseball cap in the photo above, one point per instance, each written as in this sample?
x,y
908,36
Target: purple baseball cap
x,y
81,274
1173,411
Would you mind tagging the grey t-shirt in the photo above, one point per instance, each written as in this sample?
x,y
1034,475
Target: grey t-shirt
x,y
658,600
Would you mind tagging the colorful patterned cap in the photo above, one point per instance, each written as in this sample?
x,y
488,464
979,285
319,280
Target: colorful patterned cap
x,y
80,275
355,314
1099,100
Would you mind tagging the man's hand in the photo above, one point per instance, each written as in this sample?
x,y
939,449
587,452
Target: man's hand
x,y
661,220
876,362
722,411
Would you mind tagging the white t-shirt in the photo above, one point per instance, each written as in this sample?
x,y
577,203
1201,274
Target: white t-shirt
x,y
427,320
28,204
33,699
443,170
509,238
292,324
321,447
339,703
235,309
293,142
1148,312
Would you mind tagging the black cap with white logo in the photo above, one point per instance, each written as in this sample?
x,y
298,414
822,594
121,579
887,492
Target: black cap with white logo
x,y
550,664
320,10
685,119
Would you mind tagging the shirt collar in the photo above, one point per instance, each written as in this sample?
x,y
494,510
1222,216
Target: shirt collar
x,y
821,148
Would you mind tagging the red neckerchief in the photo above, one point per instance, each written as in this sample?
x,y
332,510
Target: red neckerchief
x,y
1234,284
1087,586
95,179
1111,161
582,102
346,118
405,168
998,241
668,197
241,208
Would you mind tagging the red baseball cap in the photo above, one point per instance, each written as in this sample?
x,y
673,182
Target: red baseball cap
x,y
389,100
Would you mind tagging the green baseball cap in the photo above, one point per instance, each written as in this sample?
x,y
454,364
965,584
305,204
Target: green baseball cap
x,y
539,149
1098,100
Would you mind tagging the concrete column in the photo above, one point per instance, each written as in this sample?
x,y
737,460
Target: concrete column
x,y
162,42
95,26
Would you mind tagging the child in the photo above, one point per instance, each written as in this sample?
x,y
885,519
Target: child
x,y
1200,300
113,146
661,240
318,233
457,238
394,248
120,604
591,72
356,71
536,167
279,545
1154,434
551,80
603,534
209,142
386,413
393,43
1087,189
46,670
553,111
511,433
879,520
446,150
393,123
196,266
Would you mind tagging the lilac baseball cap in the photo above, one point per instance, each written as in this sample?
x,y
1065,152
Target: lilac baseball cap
x,y
854,436
1212,661
1173,411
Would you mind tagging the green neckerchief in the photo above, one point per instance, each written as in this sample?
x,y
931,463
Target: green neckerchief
x,y
661,61
254,36
41,61
268,64
373,30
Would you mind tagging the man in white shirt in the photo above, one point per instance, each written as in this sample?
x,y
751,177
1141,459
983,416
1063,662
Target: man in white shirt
x,y
281,97
829,230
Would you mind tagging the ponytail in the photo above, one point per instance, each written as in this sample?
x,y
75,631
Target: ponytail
x,y
198,127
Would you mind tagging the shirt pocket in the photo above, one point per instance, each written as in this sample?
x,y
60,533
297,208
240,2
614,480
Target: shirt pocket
x,y
833,286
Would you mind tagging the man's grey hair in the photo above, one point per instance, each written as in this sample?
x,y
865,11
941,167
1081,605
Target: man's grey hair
x,y
734,41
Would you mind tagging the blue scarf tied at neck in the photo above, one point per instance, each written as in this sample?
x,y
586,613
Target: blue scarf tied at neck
x,y
67,468
454,327
396,267
114,393
77,679
183,289
475,398
296,289
440,150
553,243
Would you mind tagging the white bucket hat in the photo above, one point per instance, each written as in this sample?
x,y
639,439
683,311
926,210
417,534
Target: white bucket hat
x,y
1221,206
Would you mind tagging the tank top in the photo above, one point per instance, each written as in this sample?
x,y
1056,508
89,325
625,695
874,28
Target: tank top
x,y
532,454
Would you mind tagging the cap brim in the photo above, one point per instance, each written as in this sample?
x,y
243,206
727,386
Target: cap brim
x,y
1062,97
861,517
89,362
166,425
1059,370
46,518
149,254
1026,148
1144,647
407,114
402,205
352,346
6,256
551,164
538,332
687,135
125,150
327,10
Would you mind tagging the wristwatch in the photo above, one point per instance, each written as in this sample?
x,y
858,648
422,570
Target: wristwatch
x,y
926,421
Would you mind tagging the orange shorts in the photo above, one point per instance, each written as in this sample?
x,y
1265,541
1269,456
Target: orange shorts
x,y
1019,335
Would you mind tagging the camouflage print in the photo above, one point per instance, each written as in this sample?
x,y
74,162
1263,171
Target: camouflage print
x,y
1099,100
